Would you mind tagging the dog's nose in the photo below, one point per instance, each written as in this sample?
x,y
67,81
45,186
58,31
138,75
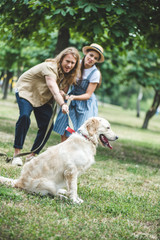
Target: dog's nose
x,y
116,137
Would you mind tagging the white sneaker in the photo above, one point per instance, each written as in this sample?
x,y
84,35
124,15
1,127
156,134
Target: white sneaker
x,y
17,161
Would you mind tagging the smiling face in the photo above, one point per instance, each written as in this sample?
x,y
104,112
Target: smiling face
x,y
91,58
68,63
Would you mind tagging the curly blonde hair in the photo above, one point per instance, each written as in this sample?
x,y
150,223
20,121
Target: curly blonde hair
x,y
68,78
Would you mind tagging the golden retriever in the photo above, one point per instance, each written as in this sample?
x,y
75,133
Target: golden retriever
x,y
55,171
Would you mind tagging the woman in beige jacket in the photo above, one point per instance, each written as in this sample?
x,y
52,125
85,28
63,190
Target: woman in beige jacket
x,y
36,90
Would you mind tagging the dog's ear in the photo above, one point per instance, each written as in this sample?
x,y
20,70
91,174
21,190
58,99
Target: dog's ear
x,y
92,126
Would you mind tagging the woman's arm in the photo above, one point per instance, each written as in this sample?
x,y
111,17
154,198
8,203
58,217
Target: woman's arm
x,y
64,92
53,87
91,88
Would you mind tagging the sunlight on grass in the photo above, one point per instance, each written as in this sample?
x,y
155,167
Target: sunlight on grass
x,y
128,126
121,191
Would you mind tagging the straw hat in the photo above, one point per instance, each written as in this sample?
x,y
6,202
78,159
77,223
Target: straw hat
x,y
96,48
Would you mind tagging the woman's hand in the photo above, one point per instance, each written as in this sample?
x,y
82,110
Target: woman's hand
x,y
71,97
66,97
91,88
64,107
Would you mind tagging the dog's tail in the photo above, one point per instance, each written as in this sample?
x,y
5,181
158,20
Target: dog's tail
x,y
8,181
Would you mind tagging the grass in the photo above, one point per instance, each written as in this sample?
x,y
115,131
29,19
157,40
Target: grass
x,y
121,191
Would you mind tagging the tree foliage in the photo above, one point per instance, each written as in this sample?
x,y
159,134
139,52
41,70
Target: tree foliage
x,y
144,66
109,22
118,25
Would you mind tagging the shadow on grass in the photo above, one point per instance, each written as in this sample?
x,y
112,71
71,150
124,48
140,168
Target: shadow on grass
x,y
131,153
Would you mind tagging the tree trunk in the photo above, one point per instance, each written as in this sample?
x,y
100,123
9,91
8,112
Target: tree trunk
x,y
63,40
1,79
151,112
139,98
2,74
6,83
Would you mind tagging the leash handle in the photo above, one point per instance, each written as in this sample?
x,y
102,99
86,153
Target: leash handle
x,y
69,119
5,155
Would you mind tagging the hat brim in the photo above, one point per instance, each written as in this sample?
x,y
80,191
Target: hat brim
x,y
86,48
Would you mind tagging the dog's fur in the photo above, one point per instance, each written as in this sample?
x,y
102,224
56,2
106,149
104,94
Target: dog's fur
x,y
60,165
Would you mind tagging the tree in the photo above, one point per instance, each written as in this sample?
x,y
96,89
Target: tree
x,y
139,98
109,22
7,59
14,61
151,112
144,66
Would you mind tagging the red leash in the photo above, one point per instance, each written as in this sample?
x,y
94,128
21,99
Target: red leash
x,y
70,129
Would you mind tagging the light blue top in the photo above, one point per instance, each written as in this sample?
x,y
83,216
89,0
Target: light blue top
x,y
79,110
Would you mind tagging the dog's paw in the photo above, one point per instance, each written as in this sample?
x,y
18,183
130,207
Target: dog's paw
x,y
77,200
62,192
80,200
62,197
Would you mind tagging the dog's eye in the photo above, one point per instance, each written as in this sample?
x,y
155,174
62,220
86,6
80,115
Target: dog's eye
x,y
108,127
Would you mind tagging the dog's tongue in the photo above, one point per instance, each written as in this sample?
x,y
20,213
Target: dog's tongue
x,y
109,145
105,141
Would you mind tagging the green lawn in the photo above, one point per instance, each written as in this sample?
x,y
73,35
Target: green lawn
x,y
121,191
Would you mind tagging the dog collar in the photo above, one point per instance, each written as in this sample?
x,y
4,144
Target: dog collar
x,y
85,137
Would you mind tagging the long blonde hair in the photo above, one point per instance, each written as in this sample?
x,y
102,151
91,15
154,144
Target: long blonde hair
x,y
68,78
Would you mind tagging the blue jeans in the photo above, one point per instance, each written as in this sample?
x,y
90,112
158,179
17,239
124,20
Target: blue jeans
x,y
42,115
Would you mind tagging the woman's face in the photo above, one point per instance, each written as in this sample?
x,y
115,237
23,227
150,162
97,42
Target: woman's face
x,y
91,58
68,63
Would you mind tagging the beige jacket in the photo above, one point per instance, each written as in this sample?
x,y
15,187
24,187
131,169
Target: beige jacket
x,y
32,84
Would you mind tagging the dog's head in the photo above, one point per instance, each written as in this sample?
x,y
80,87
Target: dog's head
x,y
99,131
